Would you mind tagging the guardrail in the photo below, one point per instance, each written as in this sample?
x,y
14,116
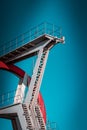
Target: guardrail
x,y
51,126
41,29
7,99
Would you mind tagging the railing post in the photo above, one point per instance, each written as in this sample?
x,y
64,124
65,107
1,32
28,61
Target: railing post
x,y
45,27
8,97
4,49
60,32
16,42
10,46
37,31
2,99
22,38
30,35
53,29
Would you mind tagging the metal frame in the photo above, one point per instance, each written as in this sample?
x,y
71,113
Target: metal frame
x,y
28,114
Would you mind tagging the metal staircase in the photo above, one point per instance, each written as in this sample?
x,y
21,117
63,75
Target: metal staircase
x,y
35,87
27,110
40,118
27,115
42,62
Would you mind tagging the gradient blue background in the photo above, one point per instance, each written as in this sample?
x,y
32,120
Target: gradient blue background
x,y
64,86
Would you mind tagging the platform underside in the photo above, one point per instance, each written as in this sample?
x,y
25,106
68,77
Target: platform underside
x,y
27,50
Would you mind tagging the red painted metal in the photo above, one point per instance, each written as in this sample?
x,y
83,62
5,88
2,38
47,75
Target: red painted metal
x,y
42,106
20,73
12,68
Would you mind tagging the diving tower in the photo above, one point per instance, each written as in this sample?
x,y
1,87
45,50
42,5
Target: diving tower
x,y
27,112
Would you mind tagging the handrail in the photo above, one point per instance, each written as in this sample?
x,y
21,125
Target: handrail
x,y
8,92
28,36
8,98
51,126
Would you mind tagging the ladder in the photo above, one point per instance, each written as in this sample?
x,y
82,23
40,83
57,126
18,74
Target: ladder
x,y
35,88
38,78
28,117
40,118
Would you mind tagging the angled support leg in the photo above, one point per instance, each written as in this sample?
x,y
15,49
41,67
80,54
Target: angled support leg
x,y
20,92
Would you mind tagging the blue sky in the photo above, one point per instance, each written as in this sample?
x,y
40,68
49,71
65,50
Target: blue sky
x,y
64,86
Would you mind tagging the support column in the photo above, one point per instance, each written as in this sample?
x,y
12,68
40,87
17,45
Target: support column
x,y
20,92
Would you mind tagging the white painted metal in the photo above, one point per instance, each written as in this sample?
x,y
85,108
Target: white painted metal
x,y
35,120
23,113
34,88
33,79
40,117
28,118
29,113
20,92
44,61
21,118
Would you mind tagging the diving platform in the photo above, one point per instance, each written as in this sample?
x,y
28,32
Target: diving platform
x,y
27,110
29,43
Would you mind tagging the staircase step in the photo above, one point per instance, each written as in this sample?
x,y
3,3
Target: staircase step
x,y
40,118
27,117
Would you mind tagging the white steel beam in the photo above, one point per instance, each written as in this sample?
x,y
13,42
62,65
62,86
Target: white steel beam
x,y
31,86
20,92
